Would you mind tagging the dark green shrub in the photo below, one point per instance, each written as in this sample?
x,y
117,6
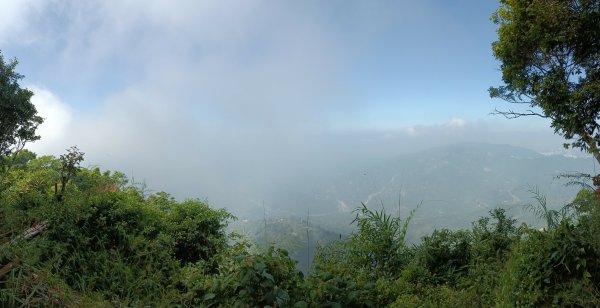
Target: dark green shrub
x,y
247,280
493,240
558,267
446,254
198,232
104,245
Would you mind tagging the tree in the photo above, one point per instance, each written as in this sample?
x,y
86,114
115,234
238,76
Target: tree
x,y
18,116
550,60
69,166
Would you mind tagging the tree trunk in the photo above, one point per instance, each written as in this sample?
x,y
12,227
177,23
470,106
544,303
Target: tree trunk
x,y
592,146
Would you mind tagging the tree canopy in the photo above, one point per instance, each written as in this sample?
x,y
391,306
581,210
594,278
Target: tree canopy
x,y
550,60
18,116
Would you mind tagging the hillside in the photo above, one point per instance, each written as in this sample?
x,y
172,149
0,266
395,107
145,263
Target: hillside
x,y
459,183
456,184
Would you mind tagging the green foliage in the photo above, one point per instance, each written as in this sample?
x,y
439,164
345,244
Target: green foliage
x,y
356,272
93,181
586,202
246,280
494,240
22,158
550,60
107,244
446,254
540,210
28,286
380,239
18,116
104,242
553,268
69,166
28,190
198,232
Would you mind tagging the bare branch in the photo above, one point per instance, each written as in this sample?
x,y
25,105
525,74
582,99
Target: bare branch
x,y
7,268
513,114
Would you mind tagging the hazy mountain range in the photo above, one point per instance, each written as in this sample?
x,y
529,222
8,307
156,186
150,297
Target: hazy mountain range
x,y
455,185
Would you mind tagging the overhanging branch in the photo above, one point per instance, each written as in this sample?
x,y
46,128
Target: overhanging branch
x,y
510,114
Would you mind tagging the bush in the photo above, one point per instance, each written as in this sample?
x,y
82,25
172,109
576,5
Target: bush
x,y
558,267
245,280
446,254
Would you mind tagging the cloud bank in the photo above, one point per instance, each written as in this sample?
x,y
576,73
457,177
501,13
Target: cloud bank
x,y
233,100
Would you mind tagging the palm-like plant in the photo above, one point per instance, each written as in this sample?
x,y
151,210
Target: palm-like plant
x,y
380,237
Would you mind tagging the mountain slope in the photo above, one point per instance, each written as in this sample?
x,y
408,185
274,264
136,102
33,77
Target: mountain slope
x,y
457,183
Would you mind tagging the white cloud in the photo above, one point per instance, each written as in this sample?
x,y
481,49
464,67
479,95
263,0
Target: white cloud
x,y
429,129
412,130
57,119
223,99
456,123
14,16
253,64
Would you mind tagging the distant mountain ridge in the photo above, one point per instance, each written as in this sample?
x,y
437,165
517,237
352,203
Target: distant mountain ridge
x,y
456,183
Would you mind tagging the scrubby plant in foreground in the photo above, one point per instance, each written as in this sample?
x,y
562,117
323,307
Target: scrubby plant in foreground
x,y
111,244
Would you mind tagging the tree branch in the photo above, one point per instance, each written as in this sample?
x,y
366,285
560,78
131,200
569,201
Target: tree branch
x,y
513,114
7,268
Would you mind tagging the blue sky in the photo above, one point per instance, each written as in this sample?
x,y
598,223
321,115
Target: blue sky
x,y
207,91
385,64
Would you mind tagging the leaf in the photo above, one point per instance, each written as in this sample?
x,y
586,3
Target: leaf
x,y
209,296
547,280
301,304
268,276
587,275
259,266
353,295
282,296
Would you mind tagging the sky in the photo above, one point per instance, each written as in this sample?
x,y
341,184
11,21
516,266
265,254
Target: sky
x,y
211,99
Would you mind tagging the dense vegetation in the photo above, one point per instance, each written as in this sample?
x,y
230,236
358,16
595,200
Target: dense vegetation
x,y
106,243
79,237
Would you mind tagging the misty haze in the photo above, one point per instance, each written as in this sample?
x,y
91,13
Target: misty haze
x,y
304,126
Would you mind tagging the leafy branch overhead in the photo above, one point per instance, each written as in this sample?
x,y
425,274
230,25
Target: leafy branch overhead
x,y
550,60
